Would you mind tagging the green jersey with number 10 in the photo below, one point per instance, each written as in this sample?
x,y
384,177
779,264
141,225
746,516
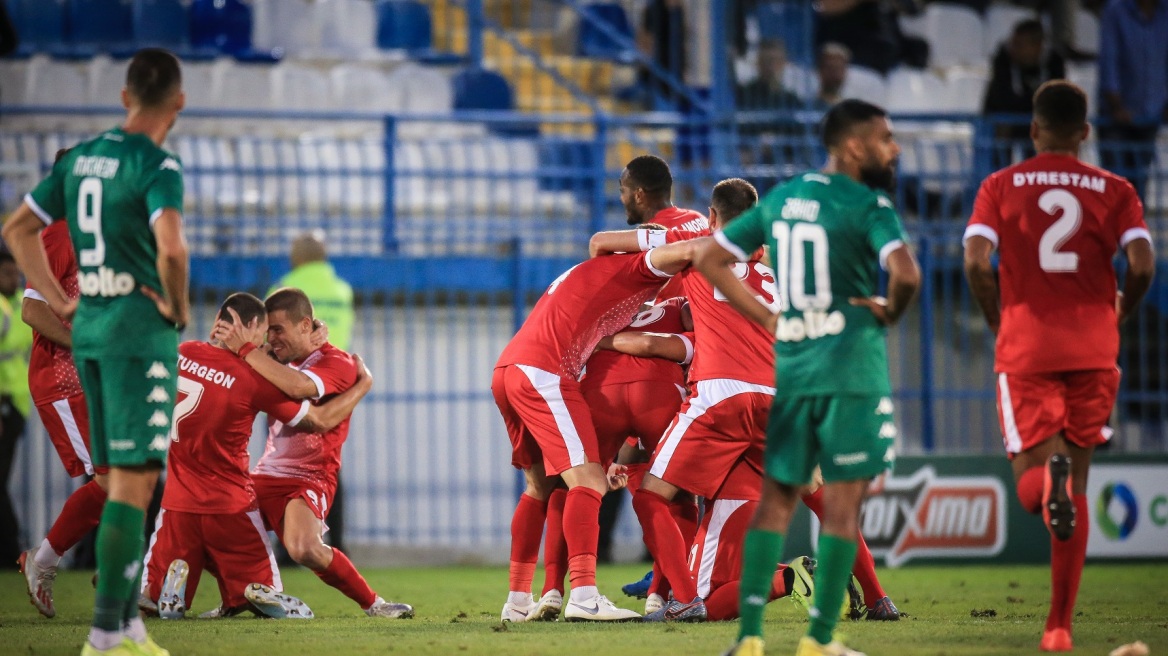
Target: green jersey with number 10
x,y
111,190
826,235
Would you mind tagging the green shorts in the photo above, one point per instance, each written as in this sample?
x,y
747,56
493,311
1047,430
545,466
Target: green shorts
x,y
131,402
851,438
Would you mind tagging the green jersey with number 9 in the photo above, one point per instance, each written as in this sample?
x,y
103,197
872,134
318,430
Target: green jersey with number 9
x,y
826,235
111,190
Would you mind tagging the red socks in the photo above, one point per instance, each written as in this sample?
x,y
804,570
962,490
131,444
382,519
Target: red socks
x,y
1030,489
722,604
865,566
344,577
526,532
80,515
555,547
665,542
581,532
1066,568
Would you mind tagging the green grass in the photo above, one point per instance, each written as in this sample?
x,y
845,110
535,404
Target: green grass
x,y
458,613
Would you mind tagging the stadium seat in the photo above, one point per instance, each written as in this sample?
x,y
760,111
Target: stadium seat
x,y
594,41
14,81
790,22
1000,20
915,92
57,82
477,88
403,25
424,90
224,25
351,28
100,25
1086,75
1086,31
865,84
40,24
361,88
246,86
292,26
955,35
162,22
303,87
965,91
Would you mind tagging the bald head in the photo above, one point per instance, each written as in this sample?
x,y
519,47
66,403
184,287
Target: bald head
x,y
308,247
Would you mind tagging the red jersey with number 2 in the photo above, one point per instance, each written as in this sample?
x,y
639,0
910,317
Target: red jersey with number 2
x,y
1057,223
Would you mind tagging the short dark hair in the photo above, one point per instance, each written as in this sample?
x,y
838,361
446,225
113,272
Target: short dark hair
x,y
153,75
1031,27
290,300
1060,107
248,307
732,197
650,173
844,116
61,152
5,256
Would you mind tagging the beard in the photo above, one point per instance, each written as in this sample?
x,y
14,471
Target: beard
x,y
633,218
880,177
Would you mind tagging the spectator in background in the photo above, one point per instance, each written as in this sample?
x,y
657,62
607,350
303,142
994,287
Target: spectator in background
x,y
661,36
870,30
1133,84
1020,66
831,66
332,303
15,401
766,91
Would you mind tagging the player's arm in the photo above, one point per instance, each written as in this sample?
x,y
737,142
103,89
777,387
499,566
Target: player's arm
x,y
614,241
672,258
674,348
326,416
39,316
22,235
904,279
173,268
713,261
1141,267
979,271
235,335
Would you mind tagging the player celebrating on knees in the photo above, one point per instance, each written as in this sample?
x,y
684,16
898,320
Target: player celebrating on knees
x,y
297,475
826,232
209,516
1057,222
121,194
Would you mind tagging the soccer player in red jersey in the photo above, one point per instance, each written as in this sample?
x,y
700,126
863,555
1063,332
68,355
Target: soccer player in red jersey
x,y
56,391
535,385
297,475
646,191
210,518
1056,223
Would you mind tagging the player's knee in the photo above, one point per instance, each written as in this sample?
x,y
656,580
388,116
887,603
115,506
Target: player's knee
x,y
308,552
1029,489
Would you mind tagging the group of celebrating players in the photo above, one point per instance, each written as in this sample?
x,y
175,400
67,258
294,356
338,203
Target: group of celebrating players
x,y
738,359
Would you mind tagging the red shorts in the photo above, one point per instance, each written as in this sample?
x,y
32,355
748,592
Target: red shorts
x,y
274,492
1033,408
546,417
642,410
234,548
724,421
716,557
67,422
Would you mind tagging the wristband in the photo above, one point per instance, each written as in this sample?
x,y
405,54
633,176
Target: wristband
x,y
245,349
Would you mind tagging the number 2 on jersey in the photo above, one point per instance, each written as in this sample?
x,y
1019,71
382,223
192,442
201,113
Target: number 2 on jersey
x,y
1050,258
791,241
89,221
192,392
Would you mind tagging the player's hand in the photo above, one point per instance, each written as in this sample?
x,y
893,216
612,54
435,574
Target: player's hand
x,y
320,334
618,477
180,318
66,311
877,305
363,373
1120,314
234,334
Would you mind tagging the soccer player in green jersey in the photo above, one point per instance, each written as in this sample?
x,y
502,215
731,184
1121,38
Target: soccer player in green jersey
x,y
122,196
826,230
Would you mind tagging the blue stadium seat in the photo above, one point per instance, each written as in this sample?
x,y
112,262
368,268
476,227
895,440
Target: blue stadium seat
x,y
99,25
592,41
791,22
477,88
224,25
40,24
162,22
403,25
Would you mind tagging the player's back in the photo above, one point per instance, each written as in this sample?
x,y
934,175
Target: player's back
x,y
676,218
587,302
52,374
610,367
219,396
728,345
1058,223
111,189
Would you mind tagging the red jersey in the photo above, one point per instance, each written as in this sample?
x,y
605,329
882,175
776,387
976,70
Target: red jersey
x,y
1057,223
52,376
315,457
610,367
219,396
586,303
675,217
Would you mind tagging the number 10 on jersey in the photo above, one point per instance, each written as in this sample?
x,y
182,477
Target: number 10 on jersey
x,y
793,242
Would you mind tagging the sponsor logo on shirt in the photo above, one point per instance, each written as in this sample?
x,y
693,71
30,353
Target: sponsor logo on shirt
x,y
121,445
885,406
814,324
888,430
158,370
158,443
106,283
158,419
171,164
157,395
845,459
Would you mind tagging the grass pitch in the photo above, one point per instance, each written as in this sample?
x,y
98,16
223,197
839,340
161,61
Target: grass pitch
x,y
458,613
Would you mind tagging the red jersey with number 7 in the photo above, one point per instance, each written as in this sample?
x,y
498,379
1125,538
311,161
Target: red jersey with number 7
x,y
1057,223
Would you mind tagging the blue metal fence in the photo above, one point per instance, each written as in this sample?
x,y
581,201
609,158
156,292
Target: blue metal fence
x,y
448,226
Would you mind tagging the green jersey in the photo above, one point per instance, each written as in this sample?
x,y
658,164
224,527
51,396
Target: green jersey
x,y
826,234
111,190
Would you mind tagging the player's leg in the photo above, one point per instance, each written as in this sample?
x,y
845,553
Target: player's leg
x,y
1032,411
527,525
177,537
555,558
245,566
836,554
67,423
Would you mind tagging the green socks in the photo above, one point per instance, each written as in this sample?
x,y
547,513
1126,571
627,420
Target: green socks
x,y
120,545
833,569
761,551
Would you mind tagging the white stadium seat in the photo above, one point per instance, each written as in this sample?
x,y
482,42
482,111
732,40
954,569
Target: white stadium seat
x,y
912,91
349,29
247,86
293,25
13,81
1000,20
1086,31
1086,75
865,84
965,91
52,82
364,88
303,87
422,89
955,35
